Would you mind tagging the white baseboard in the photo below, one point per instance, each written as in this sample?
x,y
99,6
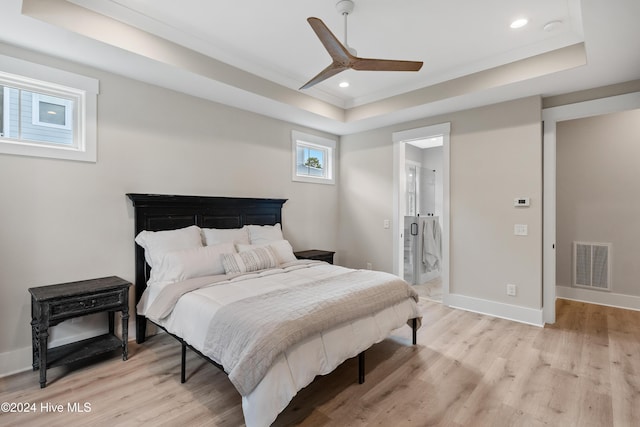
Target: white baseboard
x,y
12,362
629,302
516,313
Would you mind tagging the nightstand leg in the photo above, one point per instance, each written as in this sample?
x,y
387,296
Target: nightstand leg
x,y
44,334
35,340
125,324
125,333
35,344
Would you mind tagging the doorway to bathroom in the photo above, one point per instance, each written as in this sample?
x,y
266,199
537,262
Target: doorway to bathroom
x,y
421,170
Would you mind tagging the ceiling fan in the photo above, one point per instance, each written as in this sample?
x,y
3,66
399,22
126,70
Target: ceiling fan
x,y
344,57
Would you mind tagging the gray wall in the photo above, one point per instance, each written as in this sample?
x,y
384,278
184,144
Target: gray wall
x,y
598,181
64,221
496,155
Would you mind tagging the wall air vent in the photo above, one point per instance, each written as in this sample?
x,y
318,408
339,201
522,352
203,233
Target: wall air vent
x,y
592,265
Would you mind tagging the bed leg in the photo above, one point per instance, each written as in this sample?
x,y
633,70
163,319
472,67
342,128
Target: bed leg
x,y
414,327
361,368
183,364
141,329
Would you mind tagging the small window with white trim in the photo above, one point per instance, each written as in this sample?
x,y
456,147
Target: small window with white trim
x,y
313,158
53,118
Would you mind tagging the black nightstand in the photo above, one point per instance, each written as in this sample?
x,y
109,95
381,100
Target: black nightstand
x,y
326,256
53,304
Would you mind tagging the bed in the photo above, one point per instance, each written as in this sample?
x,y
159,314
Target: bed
x,y
241,281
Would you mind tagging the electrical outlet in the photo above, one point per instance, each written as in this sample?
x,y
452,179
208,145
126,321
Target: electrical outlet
x,y
369,266
511,290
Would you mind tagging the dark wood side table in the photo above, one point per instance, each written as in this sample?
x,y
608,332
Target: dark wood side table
x,y
316,254
53,304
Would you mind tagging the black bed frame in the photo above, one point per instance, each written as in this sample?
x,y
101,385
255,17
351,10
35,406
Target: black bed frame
x,y
156,212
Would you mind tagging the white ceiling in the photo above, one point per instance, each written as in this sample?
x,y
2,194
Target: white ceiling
x,y
275,41
255,54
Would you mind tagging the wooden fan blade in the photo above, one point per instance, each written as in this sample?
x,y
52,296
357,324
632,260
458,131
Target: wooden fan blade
x,y
371,64
343,60
337,51
333,69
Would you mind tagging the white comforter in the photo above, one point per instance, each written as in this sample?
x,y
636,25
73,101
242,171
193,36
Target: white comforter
x,y
297,367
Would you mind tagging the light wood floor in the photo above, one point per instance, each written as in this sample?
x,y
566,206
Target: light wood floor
x,y
467,369
431,290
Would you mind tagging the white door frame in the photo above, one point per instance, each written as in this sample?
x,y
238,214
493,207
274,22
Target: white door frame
x,y
551,116
399,200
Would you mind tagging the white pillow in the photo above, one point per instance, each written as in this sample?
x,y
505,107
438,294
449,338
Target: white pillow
x,y
214,236
189,263
281,248
158,243
259,234
251,260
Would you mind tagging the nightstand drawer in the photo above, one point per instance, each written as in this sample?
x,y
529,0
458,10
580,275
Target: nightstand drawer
x,y
85,304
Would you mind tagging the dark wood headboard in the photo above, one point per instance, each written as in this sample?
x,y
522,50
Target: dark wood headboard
x,y
157,212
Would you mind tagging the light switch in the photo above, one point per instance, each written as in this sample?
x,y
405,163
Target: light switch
x,y
520,229
385,224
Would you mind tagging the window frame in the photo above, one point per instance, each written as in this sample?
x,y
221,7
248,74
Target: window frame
x,y
80,90
301,139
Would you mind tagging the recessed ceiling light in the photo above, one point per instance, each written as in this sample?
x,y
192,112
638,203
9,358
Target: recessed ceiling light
x,y
519,23
344,84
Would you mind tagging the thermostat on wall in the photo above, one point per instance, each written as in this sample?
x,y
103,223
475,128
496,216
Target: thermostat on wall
x,y
521,201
